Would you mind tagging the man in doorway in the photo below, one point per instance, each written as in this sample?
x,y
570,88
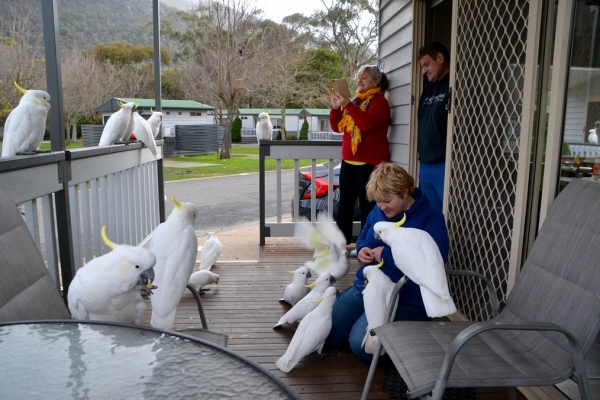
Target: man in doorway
x,y
433,121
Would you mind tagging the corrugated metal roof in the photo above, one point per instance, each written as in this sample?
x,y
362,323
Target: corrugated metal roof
x,y
112,105
316,112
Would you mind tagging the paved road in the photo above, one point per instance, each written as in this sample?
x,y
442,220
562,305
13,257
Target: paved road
x,y
228,201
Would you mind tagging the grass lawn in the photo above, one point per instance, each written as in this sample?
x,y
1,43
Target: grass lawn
x,y
73,145
244,159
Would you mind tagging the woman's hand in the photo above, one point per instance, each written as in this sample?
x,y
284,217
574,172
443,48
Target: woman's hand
x,y
376,253
364,256
335,101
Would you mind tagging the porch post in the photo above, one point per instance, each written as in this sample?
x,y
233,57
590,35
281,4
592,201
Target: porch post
x,y
158,103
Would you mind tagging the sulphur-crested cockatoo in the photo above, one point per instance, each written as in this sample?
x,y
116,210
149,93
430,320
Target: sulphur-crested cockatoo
x,y
376,297
306,304
264,127
143,133
311,332
211,251
202,278
25,126
296,290
113,287
328,242
119,126
175,246
417,255
593,136
155,120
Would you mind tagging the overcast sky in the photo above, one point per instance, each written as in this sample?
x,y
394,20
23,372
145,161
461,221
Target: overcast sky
x,y
278,9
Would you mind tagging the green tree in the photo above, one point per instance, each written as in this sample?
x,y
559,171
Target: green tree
x,y
236,130
304,130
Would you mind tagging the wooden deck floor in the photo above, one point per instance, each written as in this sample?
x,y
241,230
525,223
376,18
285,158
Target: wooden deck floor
x,y
244,306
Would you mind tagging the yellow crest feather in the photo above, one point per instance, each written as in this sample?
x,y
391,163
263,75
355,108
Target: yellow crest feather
x,y
151,110
311,285
289,272
380,264
106,239
177,204
317,301
399,223
20,88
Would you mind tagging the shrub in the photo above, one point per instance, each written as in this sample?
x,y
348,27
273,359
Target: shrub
x,y
304,131
290,137
236,130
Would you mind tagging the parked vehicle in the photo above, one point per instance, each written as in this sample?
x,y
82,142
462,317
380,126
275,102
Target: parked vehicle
x,y
322,187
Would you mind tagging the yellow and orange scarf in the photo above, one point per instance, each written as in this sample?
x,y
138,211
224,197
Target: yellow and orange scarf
x,y
347,125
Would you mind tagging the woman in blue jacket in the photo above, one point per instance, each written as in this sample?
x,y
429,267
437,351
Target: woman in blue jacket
x,y
394,191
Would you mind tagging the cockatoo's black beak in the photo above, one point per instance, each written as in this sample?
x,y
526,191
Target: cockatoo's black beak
x,y
146,277
308,275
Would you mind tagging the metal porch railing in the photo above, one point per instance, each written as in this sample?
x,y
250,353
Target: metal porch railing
x,y
67,197
294,150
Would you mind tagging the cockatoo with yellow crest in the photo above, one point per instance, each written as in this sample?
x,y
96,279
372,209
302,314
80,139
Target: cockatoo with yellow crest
x,y
417,255
25,126
119,126
154,121
211,251
175,246
264,127
328,242
306,304
376,297
201,278
295,291
143,133
311,332
113,287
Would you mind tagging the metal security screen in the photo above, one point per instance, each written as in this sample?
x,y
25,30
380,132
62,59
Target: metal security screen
x,y
489,63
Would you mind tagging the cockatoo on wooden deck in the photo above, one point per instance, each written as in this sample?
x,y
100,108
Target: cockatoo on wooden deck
x,y
113,287
211,251
264,127
328,242
306,304
175,246
311,332
202,278
119,126
155,120
417,255
295,291
143,133
25,126
376,297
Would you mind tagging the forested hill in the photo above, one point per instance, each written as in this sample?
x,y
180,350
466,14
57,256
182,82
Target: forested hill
x,y
84,23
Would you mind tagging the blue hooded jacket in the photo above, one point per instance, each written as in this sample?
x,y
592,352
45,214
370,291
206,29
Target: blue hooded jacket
x,y
421,215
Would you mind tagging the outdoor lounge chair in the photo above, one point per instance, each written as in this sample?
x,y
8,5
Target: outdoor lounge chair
x,y
27,291
549,323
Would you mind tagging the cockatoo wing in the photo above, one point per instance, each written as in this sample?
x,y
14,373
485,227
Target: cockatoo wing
x,y
376,297
332,232
143,132
296,290
211,250
435,306
310,335
175,246
76,305
24,128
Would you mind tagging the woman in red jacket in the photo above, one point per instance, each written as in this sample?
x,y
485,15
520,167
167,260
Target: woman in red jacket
x,y
364,122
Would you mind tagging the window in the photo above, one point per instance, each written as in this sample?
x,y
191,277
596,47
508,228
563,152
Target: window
x,y
168,113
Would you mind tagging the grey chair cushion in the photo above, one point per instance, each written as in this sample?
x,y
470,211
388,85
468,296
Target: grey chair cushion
x,y
26,290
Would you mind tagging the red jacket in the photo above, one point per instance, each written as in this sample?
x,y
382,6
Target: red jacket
x,y
373,124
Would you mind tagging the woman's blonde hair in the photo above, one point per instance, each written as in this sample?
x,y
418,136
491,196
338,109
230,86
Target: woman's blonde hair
x,y
389,178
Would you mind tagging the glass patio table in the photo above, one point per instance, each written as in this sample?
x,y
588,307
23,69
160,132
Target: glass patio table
x,y
102,360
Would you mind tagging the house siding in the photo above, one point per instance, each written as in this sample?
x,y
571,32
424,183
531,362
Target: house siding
x,y
395,47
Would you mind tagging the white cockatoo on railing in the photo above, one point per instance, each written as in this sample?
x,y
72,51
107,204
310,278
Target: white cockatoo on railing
x,y
593,133
417,255
311,332
175,246
376,297
25,126
264,127
155,120
113,287
143,132
119,126
295,291
328,242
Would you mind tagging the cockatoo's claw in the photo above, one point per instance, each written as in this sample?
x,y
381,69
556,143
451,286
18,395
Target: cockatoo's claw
x,y
321,356
277,326
42,151
26,153
282,300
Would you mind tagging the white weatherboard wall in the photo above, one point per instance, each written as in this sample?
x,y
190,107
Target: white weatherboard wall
x,y
396,49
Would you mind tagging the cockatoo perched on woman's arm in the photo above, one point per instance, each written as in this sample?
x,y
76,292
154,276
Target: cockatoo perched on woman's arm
x,y
311,332
25,126
175,246
143,132
119,126
113,287
417,255
264,127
